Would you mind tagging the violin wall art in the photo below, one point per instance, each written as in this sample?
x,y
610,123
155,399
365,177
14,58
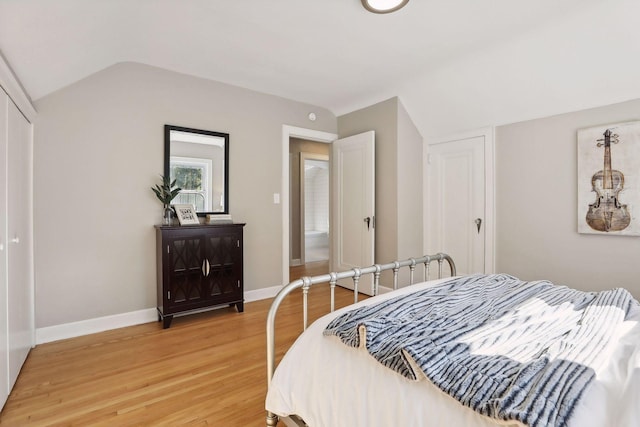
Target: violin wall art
x,y
609,179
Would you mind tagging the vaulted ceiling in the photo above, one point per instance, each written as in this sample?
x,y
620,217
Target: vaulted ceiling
x,y
455,64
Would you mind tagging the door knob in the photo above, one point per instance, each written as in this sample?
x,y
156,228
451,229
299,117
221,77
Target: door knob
x,y
478,222
368,221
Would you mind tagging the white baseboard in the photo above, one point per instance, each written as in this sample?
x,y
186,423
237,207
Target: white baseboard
x,y
106,323
91,326
263,293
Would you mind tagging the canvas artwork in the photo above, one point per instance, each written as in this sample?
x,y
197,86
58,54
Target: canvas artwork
x,y
609,179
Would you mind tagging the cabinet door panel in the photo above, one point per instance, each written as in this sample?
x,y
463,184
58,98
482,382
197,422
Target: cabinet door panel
x,y
223,251
185,278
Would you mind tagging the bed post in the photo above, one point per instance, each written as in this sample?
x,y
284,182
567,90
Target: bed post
x,y
332,284
306,284
356,280
444,257
272,419
396,268
412,269
427,261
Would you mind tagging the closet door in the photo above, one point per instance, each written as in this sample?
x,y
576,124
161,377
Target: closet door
x,y
20,281
4,357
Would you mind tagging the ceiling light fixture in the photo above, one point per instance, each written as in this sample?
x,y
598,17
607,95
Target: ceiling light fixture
x,y
383,6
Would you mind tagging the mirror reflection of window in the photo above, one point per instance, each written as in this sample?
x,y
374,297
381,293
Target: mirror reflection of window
x,y
192,176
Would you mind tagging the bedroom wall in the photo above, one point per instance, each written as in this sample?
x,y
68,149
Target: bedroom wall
x,y
398,178
410,191
98,150
536,206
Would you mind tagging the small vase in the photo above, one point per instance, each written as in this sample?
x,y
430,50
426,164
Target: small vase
x,y
167,216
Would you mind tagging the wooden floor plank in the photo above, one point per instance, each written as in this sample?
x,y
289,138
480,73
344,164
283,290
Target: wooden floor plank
x,y
208,369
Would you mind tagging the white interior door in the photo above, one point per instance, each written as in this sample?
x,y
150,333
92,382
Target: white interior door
x,y
353,206
20,282
4,355
456,220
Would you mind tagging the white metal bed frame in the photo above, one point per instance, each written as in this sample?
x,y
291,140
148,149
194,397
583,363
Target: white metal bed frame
x,y
332,278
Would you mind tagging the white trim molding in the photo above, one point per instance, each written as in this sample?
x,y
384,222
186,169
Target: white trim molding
x,y
263,293
106,323
10,83
92,326
293,132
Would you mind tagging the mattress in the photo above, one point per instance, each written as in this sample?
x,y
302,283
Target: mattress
x,y
329,384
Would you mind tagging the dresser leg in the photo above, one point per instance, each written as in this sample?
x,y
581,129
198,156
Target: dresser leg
x,y
166,322
240,306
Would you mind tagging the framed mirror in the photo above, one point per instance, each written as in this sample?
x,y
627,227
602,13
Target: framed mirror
x,y
199,162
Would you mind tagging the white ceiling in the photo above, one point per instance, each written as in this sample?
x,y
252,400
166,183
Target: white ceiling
x,y
455,64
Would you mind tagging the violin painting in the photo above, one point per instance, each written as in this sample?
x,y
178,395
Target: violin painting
x,y
609,179
607,213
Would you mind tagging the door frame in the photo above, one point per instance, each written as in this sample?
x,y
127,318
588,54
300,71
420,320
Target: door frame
x,y
489,168
12,86
287,133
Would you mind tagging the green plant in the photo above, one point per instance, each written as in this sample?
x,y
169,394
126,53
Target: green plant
x,y
166,191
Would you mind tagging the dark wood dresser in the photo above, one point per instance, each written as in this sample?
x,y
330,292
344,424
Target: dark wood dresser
x,y
198,267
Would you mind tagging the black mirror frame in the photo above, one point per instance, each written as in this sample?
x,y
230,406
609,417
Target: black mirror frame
x,y
167,155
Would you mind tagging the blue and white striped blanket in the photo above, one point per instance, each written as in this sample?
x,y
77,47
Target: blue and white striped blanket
x,y
508,349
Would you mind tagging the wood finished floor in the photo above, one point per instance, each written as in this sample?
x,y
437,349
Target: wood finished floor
x,y
207,369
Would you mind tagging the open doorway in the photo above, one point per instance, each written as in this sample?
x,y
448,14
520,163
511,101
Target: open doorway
x,y
288,133
314,204
309,207
359,165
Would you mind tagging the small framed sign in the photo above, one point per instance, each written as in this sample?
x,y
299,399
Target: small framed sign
x,y
186,214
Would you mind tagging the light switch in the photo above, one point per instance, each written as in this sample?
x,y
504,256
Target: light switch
x,y
276,198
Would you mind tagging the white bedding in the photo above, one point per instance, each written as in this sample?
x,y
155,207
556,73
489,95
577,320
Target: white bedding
x,y
330,384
